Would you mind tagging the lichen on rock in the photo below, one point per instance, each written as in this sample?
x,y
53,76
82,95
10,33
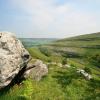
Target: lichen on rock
x,y
13,57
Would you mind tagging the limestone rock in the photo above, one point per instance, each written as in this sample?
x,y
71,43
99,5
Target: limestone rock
x,y
85,74
38,71
13,57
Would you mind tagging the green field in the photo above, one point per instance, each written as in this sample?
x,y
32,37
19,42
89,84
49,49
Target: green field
x,y
79,45
63,83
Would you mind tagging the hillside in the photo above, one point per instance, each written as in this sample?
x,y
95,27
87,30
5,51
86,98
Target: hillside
x,y
63,83
80,52
77,46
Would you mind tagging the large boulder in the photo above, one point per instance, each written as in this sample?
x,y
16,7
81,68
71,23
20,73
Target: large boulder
x,y
13,57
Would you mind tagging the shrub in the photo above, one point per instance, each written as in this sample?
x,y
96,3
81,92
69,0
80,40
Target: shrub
x,y
95,59
88,70
72,65
64,61
49,60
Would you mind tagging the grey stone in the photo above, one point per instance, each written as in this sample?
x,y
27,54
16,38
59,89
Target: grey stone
x,y
85,74
40,69
13,57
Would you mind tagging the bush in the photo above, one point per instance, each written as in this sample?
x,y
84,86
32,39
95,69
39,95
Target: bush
x,y
95,59
72,65
88,70
64,61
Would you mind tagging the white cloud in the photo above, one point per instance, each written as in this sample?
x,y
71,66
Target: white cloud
x,y
49,18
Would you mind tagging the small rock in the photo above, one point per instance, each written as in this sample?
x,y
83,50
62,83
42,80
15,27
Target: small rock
x,y
85,74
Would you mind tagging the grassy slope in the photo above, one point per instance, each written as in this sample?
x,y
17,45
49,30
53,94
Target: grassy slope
x,y
35,53
60,83
80,45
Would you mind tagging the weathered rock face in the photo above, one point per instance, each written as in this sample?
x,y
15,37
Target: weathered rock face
x,y
38,71
13,57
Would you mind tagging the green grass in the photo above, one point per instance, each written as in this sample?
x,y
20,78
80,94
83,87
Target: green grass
x,y
35,53
61,83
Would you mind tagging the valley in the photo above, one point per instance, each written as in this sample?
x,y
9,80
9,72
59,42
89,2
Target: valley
x,y
63,83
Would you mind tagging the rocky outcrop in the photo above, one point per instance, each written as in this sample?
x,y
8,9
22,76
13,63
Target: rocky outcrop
x,y
14,59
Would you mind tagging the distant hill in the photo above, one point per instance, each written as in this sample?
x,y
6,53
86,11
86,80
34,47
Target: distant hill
x,y
77,46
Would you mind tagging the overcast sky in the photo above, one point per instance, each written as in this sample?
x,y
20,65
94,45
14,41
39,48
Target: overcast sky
x,y
49,18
